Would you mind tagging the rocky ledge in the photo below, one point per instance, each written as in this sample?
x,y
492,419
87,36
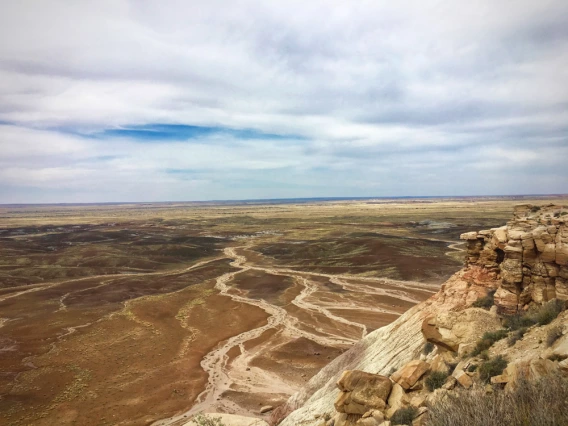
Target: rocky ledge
x,y
498,322
529,256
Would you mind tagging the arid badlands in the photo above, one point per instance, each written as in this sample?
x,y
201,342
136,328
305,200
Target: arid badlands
x,y
316,313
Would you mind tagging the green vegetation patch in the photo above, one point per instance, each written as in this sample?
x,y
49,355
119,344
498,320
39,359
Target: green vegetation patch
x,y
404,416
492,367
487,341
436,380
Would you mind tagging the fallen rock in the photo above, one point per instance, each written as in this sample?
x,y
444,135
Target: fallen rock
x,y
464,379
361,392
452,329
531,370
418,400
344,419
397,399
408,375
450,383
266,409
368,421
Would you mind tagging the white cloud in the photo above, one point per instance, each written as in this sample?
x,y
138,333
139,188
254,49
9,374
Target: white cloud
x,y
376,91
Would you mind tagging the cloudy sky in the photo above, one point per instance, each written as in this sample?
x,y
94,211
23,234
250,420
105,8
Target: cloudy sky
x,y
197,100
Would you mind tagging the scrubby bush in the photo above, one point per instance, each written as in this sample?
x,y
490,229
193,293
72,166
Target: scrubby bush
x,y
492,367
202,420
548,312
553,335
515,322
404,416
557,357
542,403
516,336
485,302
487,341
428,347
472,368
435,380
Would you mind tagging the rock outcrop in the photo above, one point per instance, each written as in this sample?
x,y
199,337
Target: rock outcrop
x,y
459,331
361,392
529,256
516,267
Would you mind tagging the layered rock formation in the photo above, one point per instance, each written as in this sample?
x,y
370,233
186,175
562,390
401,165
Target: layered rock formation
x,y
522,264
529,256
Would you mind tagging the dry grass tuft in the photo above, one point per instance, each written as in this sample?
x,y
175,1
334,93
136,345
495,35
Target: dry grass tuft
x,y
541,403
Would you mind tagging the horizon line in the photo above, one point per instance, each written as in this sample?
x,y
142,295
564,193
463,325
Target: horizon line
x,y
283,200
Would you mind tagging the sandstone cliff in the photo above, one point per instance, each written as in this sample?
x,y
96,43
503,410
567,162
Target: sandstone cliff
x,y
529,254
508,270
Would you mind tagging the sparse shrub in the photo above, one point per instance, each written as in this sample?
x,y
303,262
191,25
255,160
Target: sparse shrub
x,y
435,380
484,355
428,347
516,336
485,302
541,403
202,420
548,312
472,368
492,367
557,357
553,335
404,416
534,209
487,341
514,322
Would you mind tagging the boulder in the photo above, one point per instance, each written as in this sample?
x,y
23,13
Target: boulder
x,y
397,399
440,362
344,419
450,383
450,329
368,421
464,379
531,370
469,236
375,414
361,392
266,409
408,375
418,400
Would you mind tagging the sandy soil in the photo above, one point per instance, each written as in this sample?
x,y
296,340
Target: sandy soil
x,y
129,315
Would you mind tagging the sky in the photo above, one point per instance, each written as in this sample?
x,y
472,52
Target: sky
x,y
116,101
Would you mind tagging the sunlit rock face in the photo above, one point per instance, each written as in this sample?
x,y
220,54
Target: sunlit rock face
x,y
529,255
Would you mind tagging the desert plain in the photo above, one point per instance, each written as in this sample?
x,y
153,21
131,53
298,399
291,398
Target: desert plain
x,y
148,313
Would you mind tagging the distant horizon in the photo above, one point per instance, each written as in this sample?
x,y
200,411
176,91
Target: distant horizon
x,y
289,200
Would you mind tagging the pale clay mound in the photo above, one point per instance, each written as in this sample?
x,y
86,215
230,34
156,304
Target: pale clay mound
x,y
526,262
